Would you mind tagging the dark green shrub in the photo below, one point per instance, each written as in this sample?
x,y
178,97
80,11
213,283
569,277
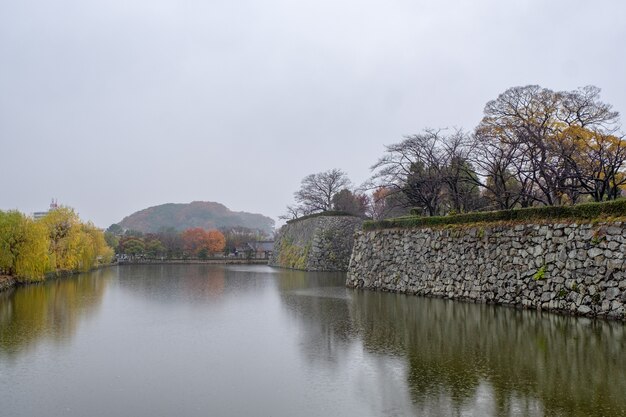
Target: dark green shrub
x,y
587,211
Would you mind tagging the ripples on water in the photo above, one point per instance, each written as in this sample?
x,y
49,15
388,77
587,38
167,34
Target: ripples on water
x,y
251,340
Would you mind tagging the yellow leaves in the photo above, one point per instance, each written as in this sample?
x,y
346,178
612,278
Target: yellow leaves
x,y
59,241
73,245
33,260
23,246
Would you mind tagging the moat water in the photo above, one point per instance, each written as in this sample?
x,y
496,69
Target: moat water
x,y
201,340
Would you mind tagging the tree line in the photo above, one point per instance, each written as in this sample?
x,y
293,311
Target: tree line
x,y
533,147
172,244
60,241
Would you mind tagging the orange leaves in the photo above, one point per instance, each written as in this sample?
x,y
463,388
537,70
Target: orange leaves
x,y
216,241
198,240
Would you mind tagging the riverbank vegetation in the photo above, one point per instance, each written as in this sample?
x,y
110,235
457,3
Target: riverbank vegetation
x,y
57,243
192,243
534,147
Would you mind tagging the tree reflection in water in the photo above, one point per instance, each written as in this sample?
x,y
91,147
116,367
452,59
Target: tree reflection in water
x,y
191,283
567,365
467,358
49,311
386,354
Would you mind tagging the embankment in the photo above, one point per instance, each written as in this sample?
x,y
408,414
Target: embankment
x,y
320,242
6,282
575,268
215,261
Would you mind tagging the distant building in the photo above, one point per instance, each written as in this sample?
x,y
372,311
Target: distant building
x,y
39,214
261,249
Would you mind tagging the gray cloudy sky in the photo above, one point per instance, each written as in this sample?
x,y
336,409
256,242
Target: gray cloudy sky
x,y
112,106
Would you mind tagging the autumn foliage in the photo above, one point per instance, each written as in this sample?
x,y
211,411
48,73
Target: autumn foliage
x,y
197,241
60,241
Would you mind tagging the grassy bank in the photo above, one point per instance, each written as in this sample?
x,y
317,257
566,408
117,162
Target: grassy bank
x,y
587,212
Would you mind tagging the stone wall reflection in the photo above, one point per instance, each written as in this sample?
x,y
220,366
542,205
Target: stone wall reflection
x,y
315,300
527,361
49,311
461,358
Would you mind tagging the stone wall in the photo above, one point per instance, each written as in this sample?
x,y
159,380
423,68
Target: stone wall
x,y
570,268
320,243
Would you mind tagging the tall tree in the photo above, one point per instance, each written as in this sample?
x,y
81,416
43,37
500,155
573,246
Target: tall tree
x,y
431,170
596,163
317,190
64,229
413,168
525,130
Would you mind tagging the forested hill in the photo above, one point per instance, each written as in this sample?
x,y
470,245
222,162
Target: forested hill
x,y
205,214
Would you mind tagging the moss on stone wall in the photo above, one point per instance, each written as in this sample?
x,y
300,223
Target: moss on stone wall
x,y
293,256
317,243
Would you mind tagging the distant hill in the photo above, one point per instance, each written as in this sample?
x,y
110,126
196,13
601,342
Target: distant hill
x,y
205,214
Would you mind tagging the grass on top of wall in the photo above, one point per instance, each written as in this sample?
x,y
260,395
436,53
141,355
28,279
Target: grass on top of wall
x,y
586,211
321,214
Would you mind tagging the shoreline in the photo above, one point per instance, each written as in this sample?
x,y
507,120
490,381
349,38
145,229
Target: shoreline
x,y
7,281
217,261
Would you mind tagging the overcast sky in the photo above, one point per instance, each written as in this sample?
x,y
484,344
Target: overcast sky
x,y
112,106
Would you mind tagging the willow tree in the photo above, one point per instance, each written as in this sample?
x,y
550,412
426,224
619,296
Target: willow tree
x,y
93,248
24,246
64,228
74,245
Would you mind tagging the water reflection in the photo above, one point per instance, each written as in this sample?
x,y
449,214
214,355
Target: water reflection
x,y
292,343
315,299
49,311
199,283
464,359
522,362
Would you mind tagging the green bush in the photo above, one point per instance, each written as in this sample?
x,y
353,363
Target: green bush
x,y
587,211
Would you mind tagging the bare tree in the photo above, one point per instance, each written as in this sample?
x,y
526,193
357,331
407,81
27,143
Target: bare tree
x,y
431,170
293,212
316,193
462,185
583,108
495,171
413,168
